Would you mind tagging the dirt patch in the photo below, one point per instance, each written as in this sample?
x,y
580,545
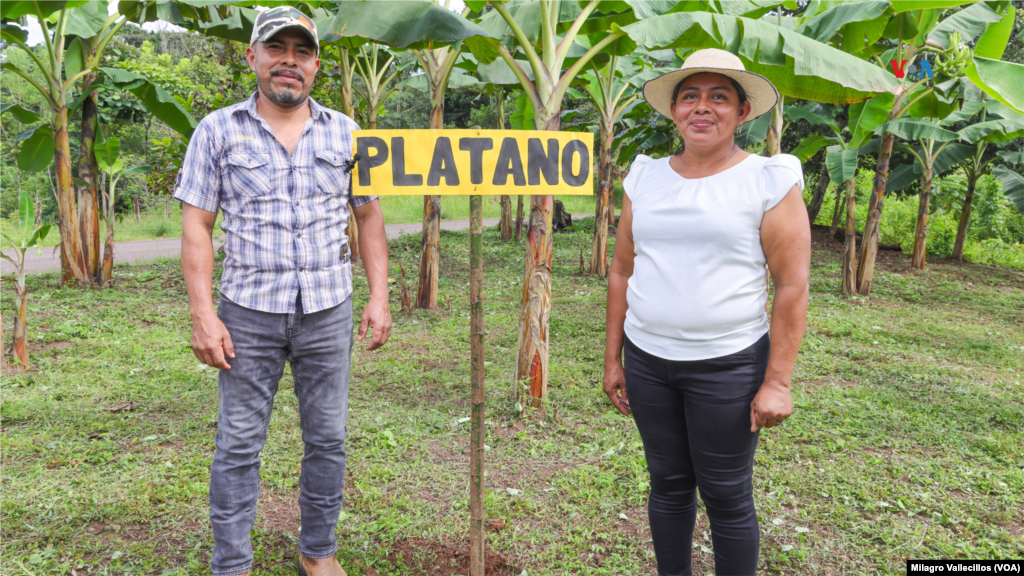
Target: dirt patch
x,y
430,558
44,347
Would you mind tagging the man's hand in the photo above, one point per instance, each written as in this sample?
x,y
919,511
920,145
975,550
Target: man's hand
x,y
376,317
211,342
615,386
772,405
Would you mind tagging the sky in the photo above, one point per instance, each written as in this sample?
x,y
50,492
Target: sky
x,y
35,34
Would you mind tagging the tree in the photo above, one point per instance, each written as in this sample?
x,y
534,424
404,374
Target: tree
x,y
532,28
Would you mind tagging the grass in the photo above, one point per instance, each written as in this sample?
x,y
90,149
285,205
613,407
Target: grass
x,y
152,225
907,442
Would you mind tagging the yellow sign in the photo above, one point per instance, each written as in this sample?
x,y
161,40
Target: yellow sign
x,y
469,162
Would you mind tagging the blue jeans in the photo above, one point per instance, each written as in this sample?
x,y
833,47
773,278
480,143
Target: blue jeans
x,y
319,348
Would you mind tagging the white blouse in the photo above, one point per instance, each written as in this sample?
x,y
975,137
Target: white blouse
x,y
698,284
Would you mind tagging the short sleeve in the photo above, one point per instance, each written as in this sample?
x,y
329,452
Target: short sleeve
x,y
198,181
780,173
636,171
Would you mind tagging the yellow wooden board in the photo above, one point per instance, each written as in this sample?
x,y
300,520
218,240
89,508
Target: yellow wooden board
x,y
469,162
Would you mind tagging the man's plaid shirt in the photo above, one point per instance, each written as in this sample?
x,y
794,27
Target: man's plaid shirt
x,y
284,216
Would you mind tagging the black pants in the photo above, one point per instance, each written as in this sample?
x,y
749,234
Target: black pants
x,y
694,419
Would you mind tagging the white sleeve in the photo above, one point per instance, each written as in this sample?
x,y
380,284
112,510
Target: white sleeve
x,y
636,170
780,173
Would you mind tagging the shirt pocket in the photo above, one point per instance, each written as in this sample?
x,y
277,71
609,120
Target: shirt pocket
x,y
331,174
249,174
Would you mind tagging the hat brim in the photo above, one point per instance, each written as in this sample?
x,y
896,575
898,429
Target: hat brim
x,y
761,93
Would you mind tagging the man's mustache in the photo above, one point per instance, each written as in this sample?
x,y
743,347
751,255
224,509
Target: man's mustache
x,y
291,73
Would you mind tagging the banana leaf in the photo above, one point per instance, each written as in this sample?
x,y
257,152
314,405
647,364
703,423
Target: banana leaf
x,y
156,100
798,66
1013,185
417,24
916,129
841,164
970,22
37,151
23,115
993,42
906,174
1001,80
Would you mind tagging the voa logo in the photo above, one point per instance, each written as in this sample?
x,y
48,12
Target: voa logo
x,y
913,71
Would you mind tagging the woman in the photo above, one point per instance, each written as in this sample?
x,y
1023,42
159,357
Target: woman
x,y
686,308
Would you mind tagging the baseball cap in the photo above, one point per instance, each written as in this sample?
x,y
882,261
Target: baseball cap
x,y
270,22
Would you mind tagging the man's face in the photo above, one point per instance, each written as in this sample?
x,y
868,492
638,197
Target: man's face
x,y
285,67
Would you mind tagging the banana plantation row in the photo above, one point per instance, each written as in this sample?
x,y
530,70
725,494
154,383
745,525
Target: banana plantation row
x,y
925,79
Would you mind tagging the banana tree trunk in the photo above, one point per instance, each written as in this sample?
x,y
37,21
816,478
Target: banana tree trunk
x,y
774,142
836,214
519,218
20,320
88,214
108,257
532,346
869,251
599,246
850,252
506,217
921,234
965,218
430,237
819,196
72,256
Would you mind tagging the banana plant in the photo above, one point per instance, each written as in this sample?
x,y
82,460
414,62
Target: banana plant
x,y
841,162
917,30
438,65
611,87
544,33
997,124
932,140
108,160
67,59
30,236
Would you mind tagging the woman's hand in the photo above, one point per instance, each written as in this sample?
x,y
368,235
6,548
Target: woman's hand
x,y
615,386
772,405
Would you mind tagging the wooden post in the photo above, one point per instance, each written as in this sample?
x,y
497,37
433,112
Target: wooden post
x,y
477,430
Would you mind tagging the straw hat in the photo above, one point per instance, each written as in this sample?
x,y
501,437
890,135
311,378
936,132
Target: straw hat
x,y
760,92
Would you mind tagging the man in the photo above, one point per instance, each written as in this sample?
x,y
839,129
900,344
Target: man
x,y
278,166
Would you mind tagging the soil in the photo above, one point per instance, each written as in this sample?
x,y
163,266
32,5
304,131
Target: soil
x,y
431,558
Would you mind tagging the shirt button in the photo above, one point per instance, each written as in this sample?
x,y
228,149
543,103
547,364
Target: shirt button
x,y
296,203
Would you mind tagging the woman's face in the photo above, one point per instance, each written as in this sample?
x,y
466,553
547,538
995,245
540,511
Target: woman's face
x,y
707,110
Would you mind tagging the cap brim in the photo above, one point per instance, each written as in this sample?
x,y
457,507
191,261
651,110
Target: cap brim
x,y
761,94
299,27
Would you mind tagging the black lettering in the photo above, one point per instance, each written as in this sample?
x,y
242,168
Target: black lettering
x,y
538,162
509,162
571,179
476,147
442,165
363,145
398,165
